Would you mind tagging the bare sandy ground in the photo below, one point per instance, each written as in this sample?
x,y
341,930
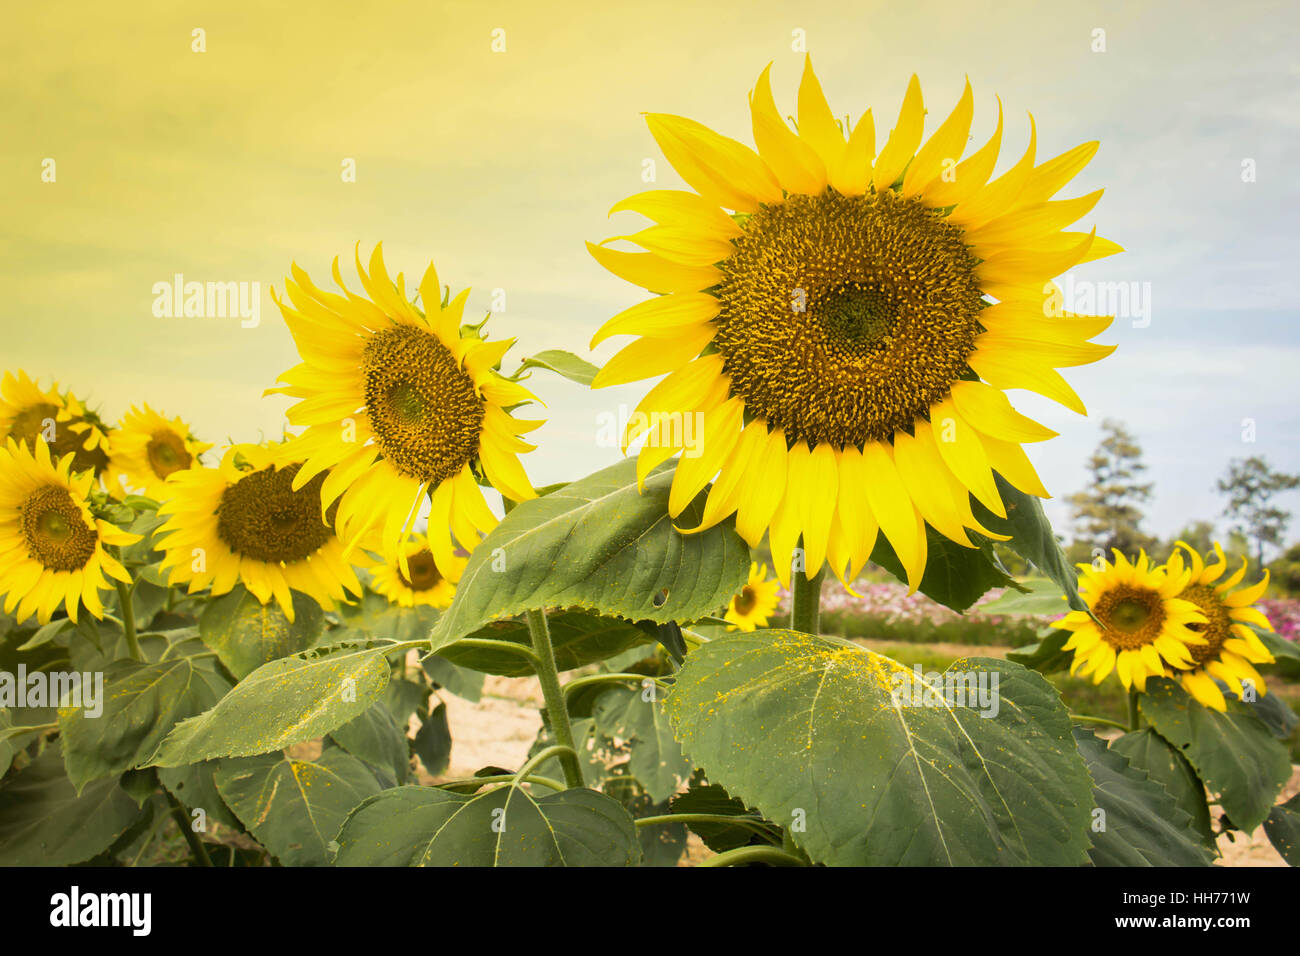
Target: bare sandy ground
x,y
499,729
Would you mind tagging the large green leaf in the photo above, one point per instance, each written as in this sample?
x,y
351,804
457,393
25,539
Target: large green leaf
x,y
374,616
506,826
656,760
1147,751
141,703
1032,538
281,703
1233,753
374,736
954,575
44,822
809,731
578,637
711,799
598,543
193,784
1283,829
1046,656
246,633
294,807
1036,597
1142,825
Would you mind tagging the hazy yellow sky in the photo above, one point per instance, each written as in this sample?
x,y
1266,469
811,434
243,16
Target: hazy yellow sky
x,y
225,165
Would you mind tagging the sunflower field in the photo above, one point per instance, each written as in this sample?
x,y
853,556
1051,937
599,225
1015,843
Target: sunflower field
x,y
243,653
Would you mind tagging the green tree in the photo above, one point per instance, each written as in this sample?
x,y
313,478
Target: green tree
x,y
1250,485
1108,513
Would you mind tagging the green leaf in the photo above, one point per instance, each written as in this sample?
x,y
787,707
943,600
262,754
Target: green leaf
x,y
1047,656
295,808
246,633
954,575
375,737
563,363
1283,829
375,617
139,705
404,697
505,826
1147,751
597,543
46,633
281,703
1041,597
44,822
1032,538
460,681
656,759
6,746
433,741
195,787
1234,753
1142,826
721,837
578,637
809,731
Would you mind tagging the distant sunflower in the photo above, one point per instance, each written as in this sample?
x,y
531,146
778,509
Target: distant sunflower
x,y
52,548
401,403
755,603
27,412
420,583
1145,627
834,329
1231,646
146,448
245,521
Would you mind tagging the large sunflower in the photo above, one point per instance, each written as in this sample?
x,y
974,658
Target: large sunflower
x,y
1231,647
826,313
146,448
28,411
52,549
420,583
756,602
250,520
1144,629
400,403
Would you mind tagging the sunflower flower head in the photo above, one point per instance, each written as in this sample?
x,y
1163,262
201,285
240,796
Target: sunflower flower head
x,y
1231,648
399,402
755,603
53,550
416,581
28,412
250,521
843,321
146,448
1138,626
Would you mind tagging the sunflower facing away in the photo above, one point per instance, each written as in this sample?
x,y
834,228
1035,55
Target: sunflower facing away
x,y
420,583
146,448
401,403
1146,627
52,549
246,521
825,307
27,411
755,603
1231,646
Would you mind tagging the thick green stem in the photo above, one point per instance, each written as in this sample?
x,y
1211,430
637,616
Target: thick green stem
x,y
197,849
556,711
128,620
805,601
1133,719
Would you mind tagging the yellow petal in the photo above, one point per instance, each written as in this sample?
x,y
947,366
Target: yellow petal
x,y
817,126
687,210
943,149
978,402
796,164
851,174
971,174
904,139
763,491
722,170
665,316
649,357
894,510
962,451
654,273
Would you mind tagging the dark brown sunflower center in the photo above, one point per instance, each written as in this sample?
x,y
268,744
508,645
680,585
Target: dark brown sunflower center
x,y
1218,626
845,318
262,517
41,421
423,408
746,600
423,572
1133,616
167,453
56,533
